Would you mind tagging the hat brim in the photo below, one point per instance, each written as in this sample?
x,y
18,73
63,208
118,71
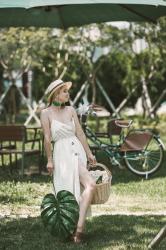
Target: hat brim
x,y
67,84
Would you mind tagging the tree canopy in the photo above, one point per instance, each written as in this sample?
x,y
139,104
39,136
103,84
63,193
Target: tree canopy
x,y
91,52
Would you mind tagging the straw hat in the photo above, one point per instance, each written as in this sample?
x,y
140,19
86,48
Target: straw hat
x,y
54,86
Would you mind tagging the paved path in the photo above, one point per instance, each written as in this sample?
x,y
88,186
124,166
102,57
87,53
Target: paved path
x,y
129,213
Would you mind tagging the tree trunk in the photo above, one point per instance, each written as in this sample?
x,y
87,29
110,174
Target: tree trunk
x,y
107,98
125,100
1,80
94,80
155,106
146,98
93,84
25,84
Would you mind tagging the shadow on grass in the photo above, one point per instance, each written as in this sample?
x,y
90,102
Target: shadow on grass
x,y
103,232
11,172
5,199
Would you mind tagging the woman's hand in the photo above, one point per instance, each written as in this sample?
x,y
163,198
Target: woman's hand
x,y
50,167
92,160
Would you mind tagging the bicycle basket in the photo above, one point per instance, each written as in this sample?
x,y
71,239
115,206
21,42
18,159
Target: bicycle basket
x,y
136,140
103,189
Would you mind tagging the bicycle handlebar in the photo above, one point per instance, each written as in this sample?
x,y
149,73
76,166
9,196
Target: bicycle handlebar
x,y
85,110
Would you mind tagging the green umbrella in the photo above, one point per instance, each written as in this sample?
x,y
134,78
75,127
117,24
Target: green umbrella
x,y
66,13
60,213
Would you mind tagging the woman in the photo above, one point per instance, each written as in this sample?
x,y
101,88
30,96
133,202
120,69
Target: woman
x,y
71,151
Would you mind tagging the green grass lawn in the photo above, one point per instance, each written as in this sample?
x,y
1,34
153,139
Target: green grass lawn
x,y
132,216
103,232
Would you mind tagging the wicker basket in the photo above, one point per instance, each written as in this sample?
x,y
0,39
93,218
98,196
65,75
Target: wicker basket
x,y
102,191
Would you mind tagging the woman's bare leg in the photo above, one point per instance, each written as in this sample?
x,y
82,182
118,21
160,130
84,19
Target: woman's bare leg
x,y
86,196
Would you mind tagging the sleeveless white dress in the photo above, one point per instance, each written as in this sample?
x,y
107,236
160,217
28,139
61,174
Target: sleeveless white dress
x,y
68,153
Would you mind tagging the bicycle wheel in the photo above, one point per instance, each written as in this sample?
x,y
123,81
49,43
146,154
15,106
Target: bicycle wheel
x,y
146,162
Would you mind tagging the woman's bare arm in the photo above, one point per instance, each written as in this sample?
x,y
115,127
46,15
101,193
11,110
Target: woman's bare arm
x,y
81,136
47,138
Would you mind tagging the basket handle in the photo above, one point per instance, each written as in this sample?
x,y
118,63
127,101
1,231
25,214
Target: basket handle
x,y
98,164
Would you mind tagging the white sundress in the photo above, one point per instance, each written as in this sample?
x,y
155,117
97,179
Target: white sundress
x,y
68,153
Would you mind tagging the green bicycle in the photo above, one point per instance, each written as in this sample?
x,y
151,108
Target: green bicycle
x,y
140,150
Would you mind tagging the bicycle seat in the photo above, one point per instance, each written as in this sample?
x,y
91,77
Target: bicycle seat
x,y
123,123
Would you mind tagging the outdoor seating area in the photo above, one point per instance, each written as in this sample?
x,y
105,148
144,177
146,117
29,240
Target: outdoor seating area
x,y
14,141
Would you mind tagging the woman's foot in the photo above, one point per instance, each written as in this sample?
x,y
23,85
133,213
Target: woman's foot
x,y
78,237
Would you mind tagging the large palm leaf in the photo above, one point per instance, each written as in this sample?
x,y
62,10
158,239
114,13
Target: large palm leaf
x,y
60,213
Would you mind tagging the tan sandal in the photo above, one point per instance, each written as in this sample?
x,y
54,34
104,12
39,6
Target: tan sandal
x,y
78,237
